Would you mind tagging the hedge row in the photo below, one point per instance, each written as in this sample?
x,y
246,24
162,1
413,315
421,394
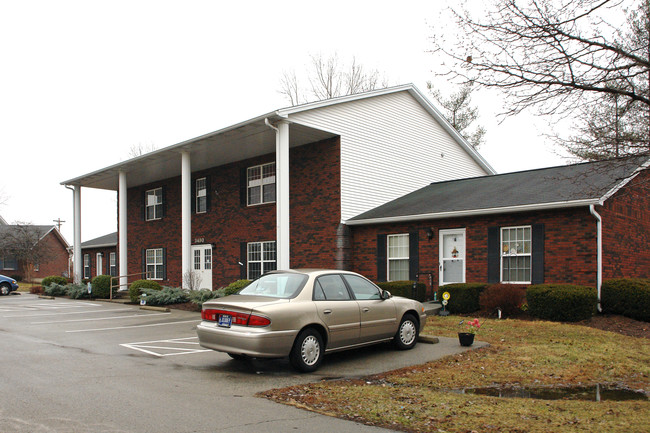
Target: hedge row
x,y
405,289
561,302
628,297
463,297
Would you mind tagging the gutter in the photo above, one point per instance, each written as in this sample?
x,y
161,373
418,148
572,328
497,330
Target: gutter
x,y
472,212
599,234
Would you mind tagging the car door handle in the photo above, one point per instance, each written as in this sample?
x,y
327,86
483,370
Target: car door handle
x,y
327,311
365,310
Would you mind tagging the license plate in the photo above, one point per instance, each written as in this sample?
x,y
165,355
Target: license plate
x,y
225,320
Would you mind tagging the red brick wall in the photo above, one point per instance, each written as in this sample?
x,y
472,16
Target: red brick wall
x,y
314,215
569,246
105,261
626,230
56,262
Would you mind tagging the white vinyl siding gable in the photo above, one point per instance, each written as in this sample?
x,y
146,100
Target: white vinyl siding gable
x,y
390,146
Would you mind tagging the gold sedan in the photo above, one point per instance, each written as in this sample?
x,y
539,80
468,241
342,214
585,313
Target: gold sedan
x,y
304,314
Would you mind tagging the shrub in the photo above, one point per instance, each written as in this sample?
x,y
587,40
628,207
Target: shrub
x,y
135,289
166,296
629,297
55,289
405,289
198,297
78,291
463,297
561,302
101,286
54,279
506,297
36,290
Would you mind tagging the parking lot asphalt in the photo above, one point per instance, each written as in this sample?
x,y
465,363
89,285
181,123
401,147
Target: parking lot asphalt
x,y
70,366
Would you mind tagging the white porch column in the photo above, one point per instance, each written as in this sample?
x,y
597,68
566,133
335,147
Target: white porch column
x,y
122,230
186,215
78,258
282,195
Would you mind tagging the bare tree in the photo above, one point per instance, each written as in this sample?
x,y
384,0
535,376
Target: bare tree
x,y
562,58
459,113
328,78
140,149
23,242
192,280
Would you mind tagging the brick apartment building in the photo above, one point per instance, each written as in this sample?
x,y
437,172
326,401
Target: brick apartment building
x,y
308,186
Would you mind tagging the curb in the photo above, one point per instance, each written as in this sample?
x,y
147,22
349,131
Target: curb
x,y
147,307
45,297
428,339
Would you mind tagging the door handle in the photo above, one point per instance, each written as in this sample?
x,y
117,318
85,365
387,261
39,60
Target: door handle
x,y
365,310
327,311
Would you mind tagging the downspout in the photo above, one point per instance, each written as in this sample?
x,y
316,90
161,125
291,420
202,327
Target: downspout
x,y
599,234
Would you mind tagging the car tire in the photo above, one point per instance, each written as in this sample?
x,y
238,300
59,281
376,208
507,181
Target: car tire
x,y
237,356
5,289
407,334
307,352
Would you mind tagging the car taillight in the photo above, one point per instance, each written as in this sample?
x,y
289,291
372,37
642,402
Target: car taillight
x,y
242,319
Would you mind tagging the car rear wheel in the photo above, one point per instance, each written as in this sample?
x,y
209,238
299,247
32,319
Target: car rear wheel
x,y
407,333
307,352
5,289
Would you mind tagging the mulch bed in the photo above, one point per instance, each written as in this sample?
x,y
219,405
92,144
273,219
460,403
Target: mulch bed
x,y
619,324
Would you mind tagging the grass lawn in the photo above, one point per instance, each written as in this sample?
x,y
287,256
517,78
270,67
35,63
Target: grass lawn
x,y
521,353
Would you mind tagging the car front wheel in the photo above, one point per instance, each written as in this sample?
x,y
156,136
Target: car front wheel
x,y
307,352
5,289
407,333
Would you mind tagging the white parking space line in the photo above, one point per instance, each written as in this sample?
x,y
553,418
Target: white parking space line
x,y
45,306
65,313
171,347
94,319
131,326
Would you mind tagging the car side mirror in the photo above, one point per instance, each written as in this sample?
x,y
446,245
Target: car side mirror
x,y
385,294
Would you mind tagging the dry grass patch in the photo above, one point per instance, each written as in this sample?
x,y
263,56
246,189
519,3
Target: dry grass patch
x,y
521,353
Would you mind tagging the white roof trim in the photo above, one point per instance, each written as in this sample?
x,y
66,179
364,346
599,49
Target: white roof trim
x,y
474,212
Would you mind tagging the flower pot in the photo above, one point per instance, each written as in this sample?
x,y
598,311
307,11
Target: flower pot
x,y
466,338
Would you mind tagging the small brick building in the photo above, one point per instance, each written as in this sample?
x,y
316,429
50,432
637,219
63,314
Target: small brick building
x,y
54,252
99,256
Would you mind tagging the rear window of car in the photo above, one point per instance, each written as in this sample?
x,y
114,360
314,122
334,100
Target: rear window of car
x,y
276,286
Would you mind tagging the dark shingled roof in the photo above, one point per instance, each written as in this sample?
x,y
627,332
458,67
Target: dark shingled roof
x,y
108,240
547,187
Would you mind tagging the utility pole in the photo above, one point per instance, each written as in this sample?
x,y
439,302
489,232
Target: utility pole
x,y
58,222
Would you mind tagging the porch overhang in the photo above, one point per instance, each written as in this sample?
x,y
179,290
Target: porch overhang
x,y
235,143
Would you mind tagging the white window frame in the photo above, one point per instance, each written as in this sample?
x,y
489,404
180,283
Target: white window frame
x,y
86,265
157,265
201,188
267,257
156,193
505,251
252,181
112,264
395,258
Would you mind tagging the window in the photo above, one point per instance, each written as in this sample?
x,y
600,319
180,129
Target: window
x,y
261,258
261,184
86,265
154,203
362,288
154,264
516,248
8,263
207,259
330,288
201,195
112,264
398,257
197,260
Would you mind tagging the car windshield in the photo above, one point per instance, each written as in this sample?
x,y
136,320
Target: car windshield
x,y
276,285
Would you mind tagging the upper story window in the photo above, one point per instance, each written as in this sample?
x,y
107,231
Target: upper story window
x,y
398,257
154,204
201,195
516,250
261,184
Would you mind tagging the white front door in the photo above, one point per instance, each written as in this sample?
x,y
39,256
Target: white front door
x,y
100,264
452,256
201,275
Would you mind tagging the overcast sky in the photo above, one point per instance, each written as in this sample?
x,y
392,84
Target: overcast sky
x,y
83,81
